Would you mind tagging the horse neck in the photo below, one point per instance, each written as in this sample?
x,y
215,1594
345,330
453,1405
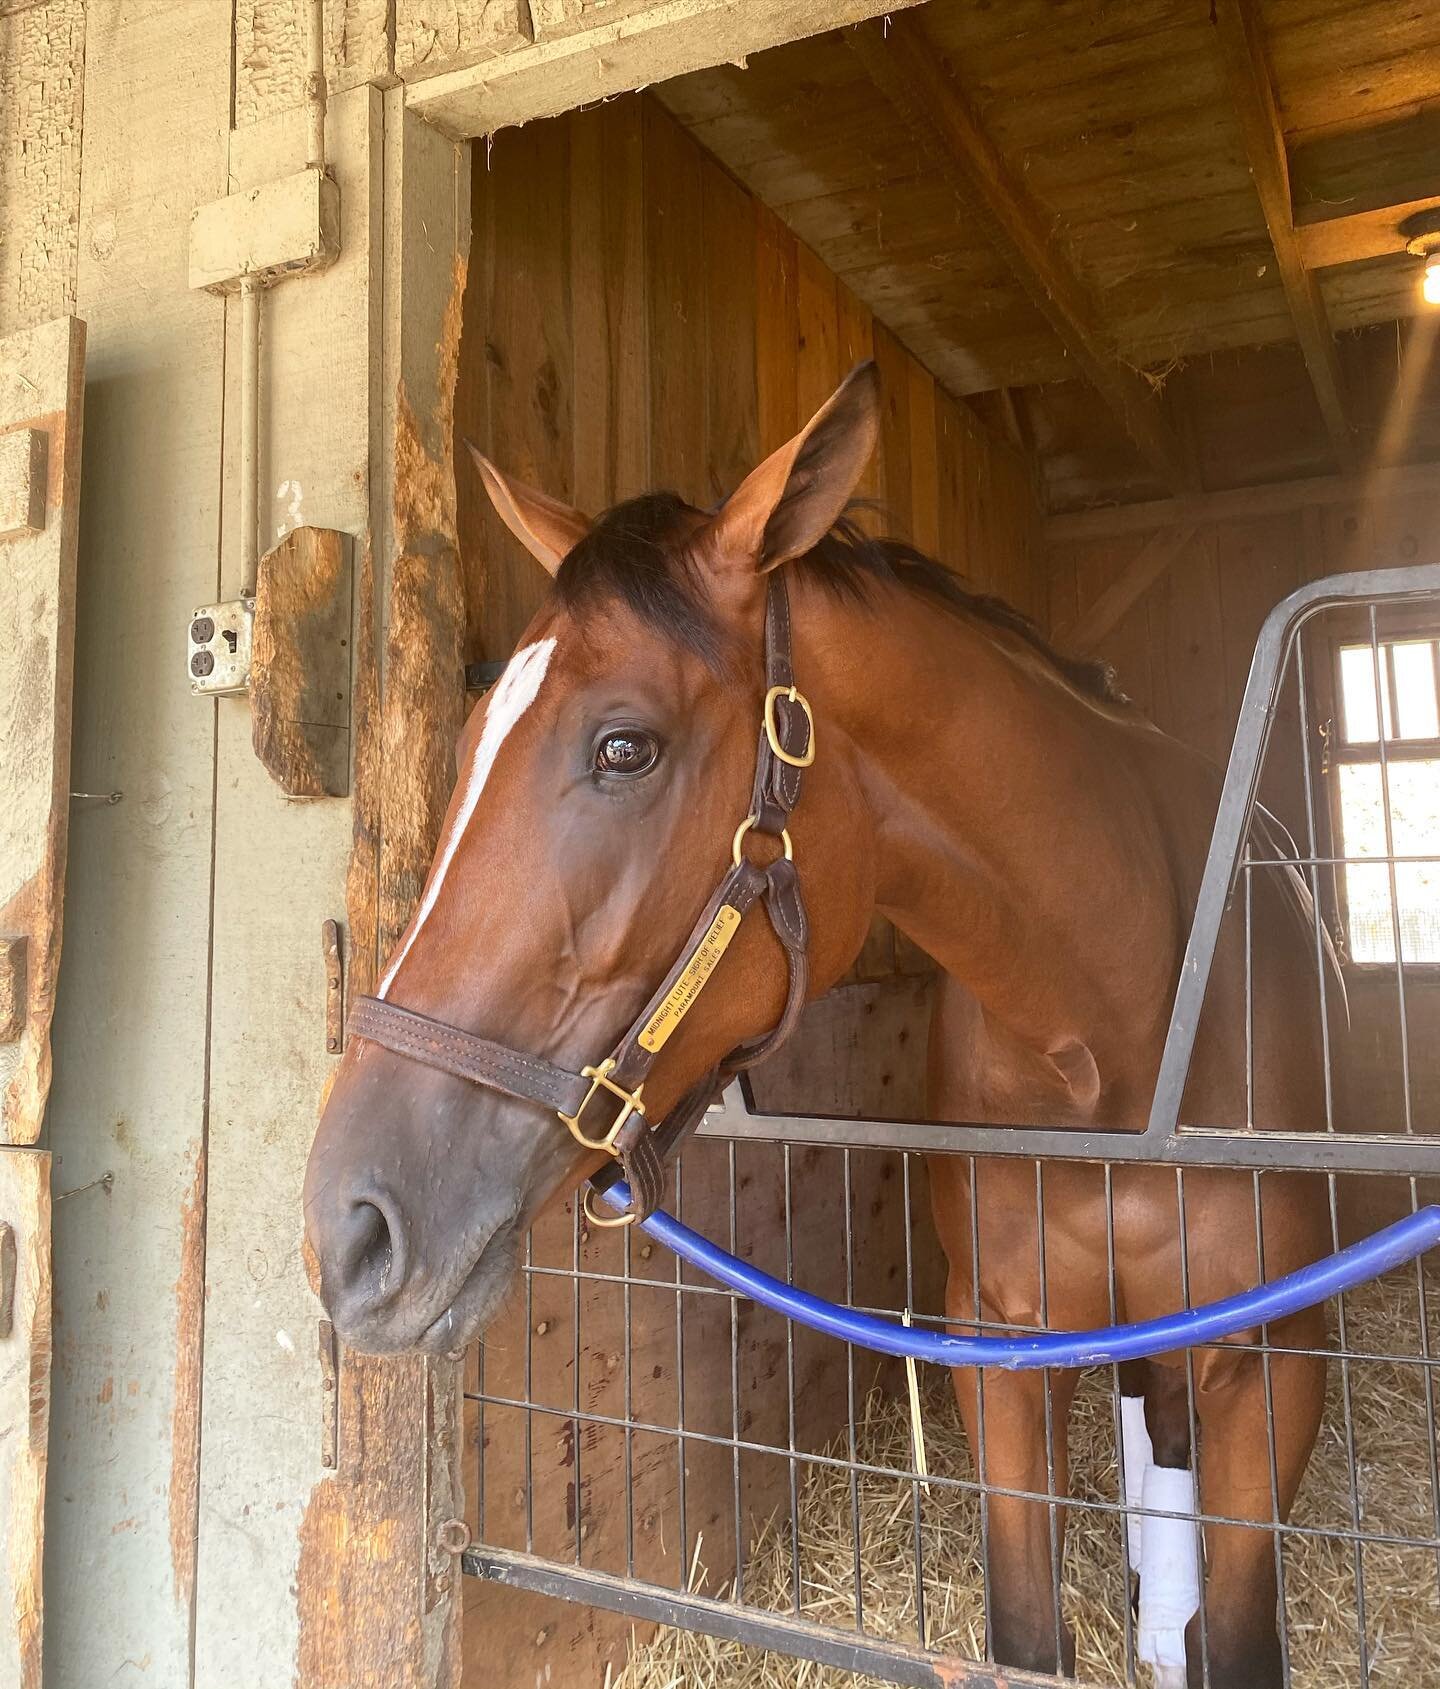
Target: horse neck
x,y
1021,837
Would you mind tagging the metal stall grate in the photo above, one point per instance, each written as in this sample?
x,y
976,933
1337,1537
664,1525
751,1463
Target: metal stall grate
x,y
693,1459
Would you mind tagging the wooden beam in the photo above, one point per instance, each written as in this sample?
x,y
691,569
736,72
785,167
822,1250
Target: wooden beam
x,y
1089,630
1354,236
1239,503
633,46
1252,89
1352,191
907,68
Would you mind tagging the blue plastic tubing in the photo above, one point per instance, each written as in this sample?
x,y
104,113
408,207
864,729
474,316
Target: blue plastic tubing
x,y
1392,1247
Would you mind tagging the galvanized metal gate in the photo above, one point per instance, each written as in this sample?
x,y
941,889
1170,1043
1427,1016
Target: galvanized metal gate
x,y
1339,706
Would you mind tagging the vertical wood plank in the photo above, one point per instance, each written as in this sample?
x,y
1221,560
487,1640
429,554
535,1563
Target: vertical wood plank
x,y
675,303
924,461
951,490
607,301
877,955
729,262
529,352
42,373
817,343
895,490
1189,668
777,344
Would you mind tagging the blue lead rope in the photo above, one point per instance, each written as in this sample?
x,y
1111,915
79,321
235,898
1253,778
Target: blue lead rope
x,y
1404,1241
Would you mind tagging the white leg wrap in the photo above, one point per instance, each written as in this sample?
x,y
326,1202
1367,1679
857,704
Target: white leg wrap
x,y
1139,1456
1169,1574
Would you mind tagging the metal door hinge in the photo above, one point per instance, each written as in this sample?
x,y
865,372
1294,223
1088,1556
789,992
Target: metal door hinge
x,y
334,988
329,1396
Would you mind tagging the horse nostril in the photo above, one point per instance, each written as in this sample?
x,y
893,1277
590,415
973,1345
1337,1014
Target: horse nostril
x,y
370,1263
372,1241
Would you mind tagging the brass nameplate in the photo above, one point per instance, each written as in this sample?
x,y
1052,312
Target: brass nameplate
x,y
681,995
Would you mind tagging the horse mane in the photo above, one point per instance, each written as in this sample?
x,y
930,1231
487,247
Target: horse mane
x,y
635,552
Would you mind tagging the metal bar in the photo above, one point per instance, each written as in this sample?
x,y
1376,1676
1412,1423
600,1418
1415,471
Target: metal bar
x,y
1191,1146
1386,811
249,434
792,1466
858,1568
315,83
798,1638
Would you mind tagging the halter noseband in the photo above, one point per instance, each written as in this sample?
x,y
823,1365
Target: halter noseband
x,y
638,1149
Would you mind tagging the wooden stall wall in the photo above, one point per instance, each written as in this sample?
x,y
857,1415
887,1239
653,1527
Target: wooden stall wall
x,y
1182,650
633,320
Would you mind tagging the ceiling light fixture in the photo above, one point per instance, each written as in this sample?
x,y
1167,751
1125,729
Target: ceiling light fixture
x,y
1421,234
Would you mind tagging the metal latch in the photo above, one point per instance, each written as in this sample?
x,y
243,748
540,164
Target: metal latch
x,y
221,639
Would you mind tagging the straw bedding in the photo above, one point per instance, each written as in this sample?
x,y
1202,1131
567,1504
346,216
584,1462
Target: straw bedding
x,y
1391,1435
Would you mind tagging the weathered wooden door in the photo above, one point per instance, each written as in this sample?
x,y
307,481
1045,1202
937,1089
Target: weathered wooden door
x,y
41,373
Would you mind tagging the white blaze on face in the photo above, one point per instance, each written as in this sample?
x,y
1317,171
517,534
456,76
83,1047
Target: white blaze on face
x,y
514,693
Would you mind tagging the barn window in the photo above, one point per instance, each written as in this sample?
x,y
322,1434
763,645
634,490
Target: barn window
x,y
1388,684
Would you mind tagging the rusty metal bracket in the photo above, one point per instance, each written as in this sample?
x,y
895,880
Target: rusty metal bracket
x,y
334,988
329,1396
452,1536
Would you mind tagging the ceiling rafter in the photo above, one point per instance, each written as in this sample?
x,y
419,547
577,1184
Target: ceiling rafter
x,y
908,70
1252,91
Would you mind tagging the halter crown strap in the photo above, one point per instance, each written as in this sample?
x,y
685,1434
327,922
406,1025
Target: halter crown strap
x,y
639,1149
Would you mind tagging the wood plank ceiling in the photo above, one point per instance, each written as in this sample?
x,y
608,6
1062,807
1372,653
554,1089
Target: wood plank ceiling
x,y
1084,214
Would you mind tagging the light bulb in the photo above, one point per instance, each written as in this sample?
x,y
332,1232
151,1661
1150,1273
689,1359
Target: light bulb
x,y
1430,287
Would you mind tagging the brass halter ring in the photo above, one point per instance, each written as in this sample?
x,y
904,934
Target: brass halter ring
x,y
628,1218
793,695
745,827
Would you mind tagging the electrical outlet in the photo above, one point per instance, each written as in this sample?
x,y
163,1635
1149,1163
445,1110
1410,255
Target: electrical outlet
x,y
220,643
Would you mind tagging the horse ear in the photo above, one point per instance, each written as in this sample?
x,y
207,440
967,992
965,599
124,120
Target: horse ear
x,y
795,497
546,528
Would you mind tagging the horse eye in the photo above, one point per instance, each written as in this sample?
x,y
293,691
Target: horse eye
x,y
626,752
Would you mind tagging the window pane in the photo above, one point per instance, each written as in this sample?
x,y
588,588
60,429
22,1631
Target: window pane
x,y
1357,688
1415,831
1414,664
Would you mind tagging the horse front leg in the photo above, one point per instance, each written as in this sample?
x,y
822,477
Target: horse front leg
x,y
1023,1540
1237,1482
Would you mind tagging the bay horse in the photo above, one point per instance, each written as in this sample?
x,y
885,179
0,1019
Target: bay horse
x,y
1006,809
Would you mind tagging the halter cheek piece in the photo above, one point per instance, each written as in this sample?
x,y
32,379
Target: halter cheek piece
x,y
638,1149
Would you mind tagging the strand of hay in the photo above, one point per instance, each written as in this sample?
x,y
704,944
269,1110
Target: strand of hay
x,y
1393,1490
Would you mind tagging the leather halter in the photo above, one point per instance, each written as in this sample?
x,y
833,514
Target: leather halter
x,y
639,1149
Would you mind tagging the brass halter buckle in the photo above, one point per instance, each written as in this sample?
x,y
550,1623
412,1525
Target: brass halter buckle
x,y
793,695
600,1079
